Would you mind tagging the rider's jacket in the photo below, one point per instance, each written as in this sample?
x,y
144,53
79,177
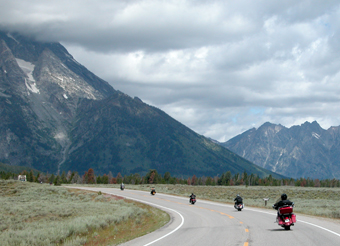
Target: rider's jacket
x,y
282,203
238,200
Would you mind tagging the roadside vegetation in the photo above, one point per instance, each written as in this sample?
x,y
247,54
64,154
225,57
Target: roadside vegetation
x,y
153,177
43,214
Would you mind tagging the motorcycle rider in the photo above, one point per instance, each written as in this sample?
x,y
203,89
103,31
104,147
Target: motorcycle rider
x,y
284,201
192,196
153,191
122,186
238,200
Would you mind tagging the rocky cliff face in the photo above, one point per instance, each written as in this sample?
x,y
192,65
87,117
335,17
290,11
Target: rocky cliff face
x,y
40,86
56,115
299,151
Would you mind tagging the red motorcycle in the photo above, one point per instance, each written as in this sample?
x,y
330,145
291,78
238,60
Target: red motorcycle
x,y
192,201
286,218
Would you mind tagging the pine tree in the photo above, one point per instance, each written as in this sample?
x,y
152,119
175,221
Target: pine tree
x,y
105,179
119,178
63,178
194,180
57,181
85,178
30,176
51,179
37,178
90,176
167,177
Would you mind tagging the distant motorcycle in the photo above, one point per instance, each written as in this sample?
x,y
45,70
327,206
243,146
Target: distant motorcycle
x,y
153,192
192,201
239,206
122,187
286,218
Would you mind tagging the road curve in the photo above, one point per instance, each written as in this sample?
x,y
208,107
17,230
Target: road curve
x,y
212,223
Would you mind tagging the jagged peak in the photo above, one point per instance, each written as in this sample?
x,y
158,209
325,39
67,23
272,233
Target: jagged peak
x,y
274,127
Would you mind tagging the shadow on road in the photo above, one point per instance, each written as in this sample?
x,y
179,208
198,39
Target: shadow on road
x,y
279,230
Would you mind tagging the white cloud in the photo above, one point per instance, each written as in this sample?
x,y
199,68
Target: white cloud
x,y
219,67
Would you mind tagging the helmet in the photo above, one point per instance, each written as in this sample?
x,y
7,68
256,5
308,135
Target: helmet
x,y
284,196
192,193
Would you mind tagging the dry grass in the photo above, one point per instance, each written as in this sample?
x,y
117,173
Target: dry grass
x,y
39,214
130,229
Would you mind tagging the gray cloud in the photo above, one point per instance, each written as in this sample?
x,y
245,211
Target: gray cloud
x,y
219,67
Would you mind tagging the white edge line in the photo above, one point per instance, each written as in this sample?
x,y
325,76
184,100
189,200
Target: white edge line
x,y
227,205
337,234
156,205
259,211
323,228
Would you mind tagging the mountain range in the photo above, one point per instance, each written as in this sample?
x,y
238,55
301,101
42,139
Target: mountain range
x,y
307,151
56,116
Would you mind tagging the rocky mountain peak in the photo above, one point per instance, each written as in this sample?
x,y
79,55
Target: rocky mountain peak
x,y
299,151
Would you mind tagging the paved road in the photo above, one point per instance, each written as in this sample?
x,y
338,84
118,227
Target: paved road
x,y
210,223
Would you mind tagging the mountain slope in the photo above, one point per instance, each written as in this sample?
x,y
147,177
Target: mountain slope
x,y
299,151
126,135
58,116
38,100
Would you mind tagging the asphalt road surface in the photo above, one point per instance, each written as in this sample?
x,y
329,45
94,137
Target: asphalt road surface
x,y
212,223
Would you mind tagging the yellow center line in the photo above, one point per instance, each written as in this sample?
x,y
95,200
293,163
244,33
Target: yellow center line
x,y
212,210
230,217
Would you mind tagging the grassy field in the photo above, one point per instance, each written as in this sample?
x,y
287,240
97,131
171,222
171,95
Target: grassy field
x,y
40,214
323,202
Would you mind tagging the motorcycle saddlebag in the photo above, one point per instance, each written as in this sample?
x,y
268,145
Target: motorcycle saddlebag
x,y
294,218
286,210
280,221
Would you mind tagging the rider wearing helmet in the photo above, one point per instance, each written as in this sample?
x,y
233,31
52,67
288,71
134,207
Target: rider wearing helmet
x,y
238,200
284,201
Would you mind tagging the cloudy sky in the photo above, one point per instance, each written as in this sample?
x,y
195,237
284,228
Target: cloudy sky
x,y
219,67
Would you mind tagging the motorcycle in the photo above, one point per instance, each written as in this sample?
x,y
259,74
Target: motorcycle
x,y
153,192
286,218
122,187
239,206
192,201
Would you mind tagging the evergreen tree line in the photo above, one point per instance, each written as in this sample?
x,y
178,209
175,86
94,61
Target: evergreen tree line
x,y
153,177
